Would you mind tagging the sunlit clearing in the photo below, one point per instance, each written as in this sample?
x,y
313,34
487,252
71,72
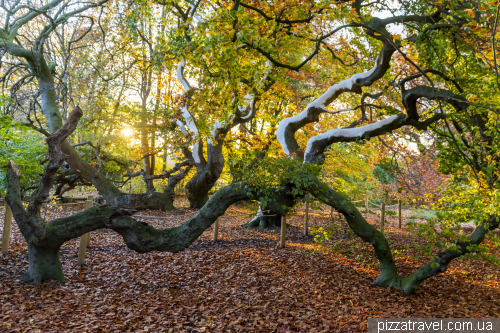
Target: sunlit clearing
x,y
127,132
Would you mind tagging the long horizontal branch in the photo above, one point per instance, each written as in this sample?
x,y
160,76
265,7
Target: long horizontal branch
x,y
317,144
411,96
278,20
283,65
145,238
288,126
432,71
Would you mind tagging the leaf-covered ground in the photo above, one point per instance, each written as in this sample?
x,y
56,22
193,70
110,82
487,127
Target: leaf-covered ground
x,y
243,283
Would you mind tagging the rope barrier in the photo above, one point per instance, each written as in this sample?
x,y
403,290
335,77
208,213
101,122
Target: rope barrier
x,y
378,206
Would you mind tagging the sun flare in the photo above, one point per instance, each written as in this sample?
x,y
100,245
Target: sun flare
x,y
127,132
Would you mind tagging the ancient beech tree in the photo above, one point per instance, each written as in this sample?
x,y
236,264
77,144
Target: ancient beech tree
x,y
426,98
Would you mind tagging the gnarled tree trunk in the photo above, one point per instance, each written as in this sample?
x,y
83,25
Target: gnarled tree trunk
x,y
44,264
206,176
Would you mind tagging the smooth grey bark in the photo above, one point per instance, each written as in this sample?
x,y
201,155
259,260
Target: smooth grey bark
x,y
44,264
44,75
313,113
44,239
317,145
209,170
316,154
146,86
50,109
104,186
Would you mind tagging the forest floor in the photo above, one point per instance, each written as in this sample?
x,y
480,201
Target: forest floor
x,y
242,283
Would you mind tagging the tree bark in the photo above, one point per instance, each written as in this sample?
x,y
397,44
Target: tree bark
x,y
388,276
206,176
440,264
153,201
44,264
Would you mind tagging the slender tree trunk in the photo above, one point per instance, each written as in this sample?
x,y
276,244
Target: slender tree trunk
x,y
147,161
153,136
165,161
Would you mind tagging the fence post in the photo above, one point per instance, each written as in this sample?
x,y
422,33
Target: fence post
x,y
91,204
216,229
283,231
382,216
399,213
6,230
84,239
306,219
366,204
